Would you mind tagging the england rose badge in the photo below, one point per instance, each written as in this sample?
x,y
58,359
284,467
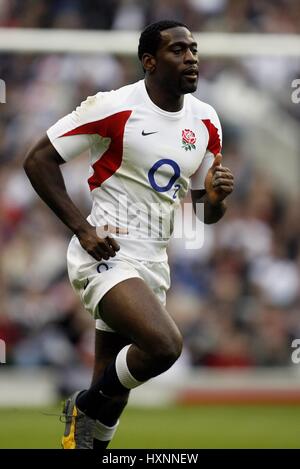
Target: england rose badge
x,y
188,140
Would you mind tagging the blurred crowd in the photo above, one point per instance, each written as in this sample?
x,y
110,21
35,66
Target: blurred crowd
x,y
268,16
237,299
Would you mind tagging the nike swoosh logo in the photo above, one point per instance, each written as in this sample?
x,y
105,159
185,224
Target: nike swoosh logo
x,y
148,133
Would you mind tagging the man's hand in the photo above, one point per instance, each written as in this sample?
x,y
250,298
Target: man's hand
x,y
218,181
97,242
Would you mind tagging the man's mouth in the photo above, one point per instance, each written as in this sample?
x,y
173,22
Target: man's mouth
x,y
191,73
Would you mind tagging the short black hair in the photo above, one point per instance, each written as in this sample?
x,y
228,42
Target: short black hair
x,y
150,37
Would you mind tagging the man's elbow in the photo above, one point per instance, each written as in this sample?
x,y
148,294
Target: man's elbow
x,y
30,161
40,154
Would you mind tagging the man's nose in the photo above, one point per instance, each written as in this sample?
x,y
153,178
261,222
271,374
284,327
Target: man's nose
x,y
190,57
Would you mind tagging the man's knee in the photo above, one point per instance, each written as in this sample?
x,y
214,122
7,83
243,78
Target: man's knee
x,y
166,350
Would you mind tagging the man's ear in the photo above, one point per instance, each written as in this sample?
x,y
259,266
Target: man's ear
x,y
149,63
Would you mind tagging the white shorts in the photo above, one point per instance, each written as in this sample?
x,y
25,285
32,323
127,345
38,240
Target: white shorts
x,y
91,279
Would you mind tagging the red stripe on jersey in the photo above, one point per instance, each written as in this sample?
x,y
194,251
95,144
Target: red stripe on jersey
x,y
111,127
214,141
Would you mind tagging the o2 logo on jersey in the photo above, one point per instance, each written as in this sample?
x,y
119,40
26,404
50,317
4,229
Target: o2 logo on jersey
x,y
170,184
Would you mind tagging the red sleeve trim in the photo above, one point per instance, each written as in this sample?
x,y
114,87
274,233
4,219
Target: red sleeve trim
x,y
112,127
214,141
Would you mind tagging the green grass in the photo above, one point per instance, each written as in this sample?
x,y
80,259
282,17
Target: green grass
x,y
172,427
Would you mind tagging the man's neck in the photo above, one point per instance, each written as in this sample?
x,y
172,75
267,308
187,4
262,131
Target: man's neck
x,y
162,98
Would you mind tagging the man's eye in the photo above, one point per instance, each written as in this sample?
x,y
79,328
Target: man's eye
x,y
195,51
177,51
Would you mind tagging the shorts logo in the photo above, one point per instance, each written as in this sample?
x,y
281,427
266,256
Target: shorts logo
x,y
188,140
102,267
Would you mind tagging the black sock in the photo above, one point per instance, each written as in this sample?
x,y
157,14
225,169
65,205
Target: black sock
x,y
93,401
109,382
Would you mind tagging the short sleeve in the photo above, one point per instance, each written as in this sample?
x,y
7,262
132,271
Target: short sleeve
x,y
214,146
72,135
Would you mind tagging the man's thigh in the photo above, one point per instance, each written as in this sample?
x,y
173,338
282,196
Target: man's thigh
x,y
132,310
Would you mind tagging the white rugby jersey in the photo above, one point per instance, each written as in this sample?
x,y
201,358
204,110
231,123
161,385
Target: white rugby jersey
x,y
142,159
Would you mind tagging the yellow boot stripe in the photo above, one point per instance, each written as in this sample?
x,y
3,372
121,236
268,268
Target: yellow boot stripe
x,y
68,442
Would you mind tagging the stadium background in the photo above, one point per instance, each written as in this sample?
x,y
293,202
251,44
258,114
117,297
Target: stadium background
x,y
237,300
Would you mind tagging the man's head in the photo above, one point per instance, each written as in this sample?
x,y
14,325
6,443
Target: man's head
x,y
169,55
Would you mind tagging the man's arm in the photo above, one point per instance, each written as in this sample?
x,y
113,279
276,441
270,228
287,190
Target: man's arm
x,y
218,185
212,213
42,166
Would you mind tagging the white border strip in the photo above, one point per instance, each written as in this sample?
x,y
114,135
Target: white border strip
x,y
21,40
